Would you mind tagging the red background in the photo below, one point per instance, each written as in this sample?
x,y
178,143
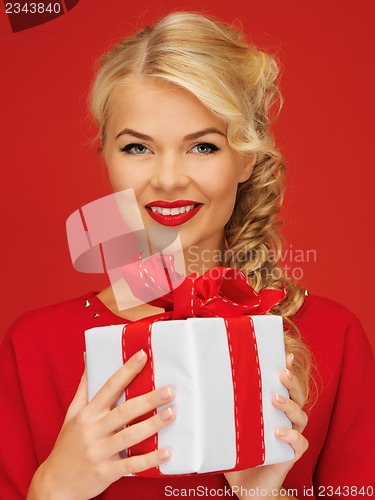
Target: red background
x,y
325,131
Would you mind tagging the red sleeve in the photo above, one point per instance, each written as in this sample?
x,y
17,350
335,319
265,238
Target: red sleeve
x,y
347,459
17,454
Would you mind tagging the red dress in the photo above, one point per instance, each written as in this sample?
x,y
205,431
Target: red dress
x,y
41,363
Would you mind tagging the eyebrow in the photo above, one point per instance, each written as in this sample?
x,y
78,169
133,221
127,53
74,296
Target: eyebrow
x,y
189,137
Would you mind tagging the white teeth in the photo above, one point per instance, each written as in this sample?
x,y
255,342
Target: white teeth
x,y
172,211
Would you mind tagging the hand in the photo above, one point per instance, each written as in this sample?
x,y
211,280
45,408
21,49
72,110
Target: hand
x,y
86,457
271,477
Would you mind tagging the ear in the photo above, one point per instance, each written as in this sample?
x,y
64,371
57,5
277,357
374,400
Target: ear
x,y
247,167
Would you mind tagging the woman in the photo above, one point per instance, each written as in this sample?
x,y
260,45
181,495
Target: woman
x,y
183,113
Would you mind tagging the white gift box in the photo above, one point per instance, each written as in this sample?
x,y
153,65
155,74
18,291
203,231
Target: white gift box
x,y
196,357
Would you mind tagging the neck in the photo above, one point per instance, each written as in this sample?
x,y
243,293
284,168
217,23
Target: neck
x,y
196,259
199,260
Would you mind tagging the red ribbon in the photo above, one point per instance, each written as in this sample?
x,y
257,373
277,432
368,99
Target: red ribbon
x,y
221,291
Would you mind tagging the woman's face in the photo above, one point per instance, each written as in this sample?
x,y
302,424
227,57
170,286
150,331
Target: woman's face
x,y
162,142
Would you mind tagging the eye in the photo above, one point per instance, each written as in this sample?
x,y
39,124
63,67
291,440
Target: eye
x,y
205,148
135,149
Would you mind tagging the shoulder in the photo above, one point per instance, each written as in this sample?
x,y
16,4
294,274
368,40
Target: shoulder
x,y
318,309
330,328
47,319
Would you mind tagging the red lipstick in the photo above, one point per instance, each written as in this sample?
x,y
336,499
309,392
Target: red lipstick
x,y
173,213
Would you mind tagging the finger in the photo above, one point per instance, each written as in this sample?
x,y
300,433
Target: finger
x,y
137,433
80,399
294,387
297,441
139,463
292,410
107,396
290,361
135,407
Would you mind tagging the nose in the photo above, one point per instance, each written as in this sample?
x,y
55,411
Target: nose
x,y
169,174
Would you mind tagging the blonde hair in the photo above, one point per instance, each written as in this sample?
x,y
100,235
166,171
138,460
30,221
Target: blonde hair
x,y
238,83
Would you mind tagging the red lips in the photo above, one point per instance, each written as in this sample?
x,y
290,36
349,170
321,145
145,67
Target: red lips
x,y
176,219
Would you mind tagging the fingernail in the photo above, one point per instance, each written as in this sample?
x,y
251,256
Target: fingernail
x,y
291,356
140,356
166,393
289,374
166,414
163,455
280,432
280,398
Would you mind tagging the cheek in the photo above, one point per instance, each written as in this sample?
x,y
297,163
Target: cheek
x,y
120,181
222,185
115,180
122,178
222,194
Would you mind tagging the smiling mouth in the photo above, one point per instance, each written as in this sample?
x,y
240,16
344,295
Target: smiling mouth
x,y
173,213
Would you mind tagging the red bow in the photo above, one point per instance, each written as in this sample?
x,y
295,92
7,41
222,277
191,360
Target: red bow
x,y
221,291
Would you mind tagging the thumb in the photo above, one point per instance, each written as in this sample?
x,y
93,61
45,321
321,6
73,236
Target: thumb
x,y
80,399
